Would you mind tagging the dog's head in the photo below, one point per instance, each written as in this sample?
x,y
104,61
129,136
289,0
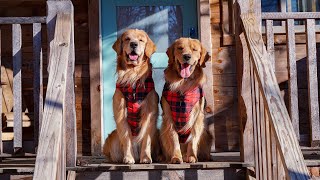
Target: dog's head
x,y
185,55
133,45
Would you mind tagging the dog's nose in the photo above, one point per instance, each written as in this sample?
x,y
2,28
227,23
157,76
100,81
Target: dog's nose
x,y
186,57
133,45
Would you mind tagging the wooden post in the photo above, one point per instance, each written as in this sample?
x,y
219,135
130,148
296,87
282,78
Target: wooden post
x,y
94,68
17,89
1,144
55,7
50,155
288,145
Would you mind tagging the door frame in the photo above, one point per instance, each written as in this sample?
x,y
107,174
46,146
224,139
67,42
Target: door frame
x,y
95,67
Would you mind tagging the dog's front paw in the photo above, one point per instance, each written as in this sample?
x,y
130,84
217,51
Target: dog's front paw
x,y
176,160
128,160
192,159
145,160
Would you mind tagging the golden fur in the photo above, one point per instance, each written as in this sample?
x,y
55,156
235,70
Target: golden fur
x,y
198,148
121,146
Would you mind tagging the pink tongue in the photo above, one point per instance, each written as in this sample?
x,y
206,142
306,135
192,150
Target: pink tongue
x,y
133,57
185,70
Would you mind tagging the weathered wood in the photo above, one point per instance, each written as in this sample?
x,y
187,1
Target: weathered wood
x,y
247,147
37,82
292,82
55,7
50,151
312,83
1,145
270,41
94,64
268,145
290,15
17,95
22,20
262,135
274,155
280,120
71,175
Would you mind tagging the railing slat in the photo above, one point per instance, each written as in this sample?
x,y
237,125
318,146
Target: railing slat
x,y
270,41
268,145
17,95
262,135
293,87
290,15
289,147
50,160
1,144
22,20
312,82
37,81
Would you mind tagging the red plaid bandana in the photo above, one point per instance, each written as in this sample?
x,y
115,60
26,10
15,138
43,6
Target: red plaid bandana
x,y
134,97
181,106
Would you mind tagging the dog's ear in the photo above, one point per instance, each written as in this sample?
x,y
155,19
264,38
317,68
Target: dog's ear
x,y
150,47
117,46
170,54
204,57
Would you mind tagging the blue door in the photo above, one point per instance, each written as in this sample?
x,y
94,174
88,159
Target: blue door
x,y
163,20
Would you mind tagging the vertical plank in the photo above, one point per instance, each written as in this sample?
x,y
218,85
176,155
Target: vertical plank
x,y
312,83
270,41
263,136
94,69
258,119
55,7
293,87
17,95
1,144
37,81
274,154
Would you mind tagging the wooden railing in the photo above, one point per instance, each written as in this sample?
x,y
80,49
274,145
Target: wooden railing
x,y
269,134
51,156
14,88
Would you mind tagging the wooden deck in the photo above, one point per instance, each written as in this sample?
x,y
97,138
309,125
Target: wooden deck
x,y
91,167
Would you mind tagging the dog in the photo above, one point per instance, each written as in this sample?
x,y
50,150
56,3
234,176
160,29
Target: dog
x,y
183,136
135,102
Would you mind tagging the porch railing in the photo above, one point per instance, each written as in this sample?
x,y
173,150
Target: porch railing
x,y
274,144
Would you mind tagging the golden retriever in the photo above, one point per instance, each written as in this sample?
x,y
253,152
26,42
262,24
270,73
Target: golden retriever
x,y
183,136
135,102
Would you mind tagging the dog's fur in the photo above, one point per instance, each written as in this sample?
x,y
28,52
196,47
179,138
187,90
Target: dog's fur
x,y
198,148
121,146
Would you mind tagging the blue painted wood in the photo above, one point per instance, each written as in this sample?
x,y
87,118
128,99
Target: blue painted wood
x,y
159,60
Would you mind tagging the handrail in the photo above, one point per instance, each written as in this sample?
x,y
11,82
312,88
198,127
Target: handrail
x,y
50,161
277,113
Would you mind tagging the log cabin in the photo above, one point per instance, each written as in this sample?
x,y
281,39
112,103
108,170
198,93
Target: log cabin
x,y
57,81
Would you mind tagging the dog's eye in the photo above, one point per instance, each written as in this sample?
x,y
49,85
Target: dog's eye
x,y
127,39
180,48
195,49
141,40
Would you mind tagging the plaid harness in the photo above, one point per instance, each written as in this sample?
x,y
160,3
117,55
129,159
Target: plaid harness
x,y
181,106
134,97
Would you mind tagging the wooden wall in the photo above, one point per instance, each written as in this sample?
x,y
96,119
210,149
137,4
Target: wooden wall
x,y
82,84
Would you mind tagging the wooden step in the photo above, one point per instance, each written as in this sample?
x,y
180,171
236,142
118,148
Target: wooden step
x,y
8,119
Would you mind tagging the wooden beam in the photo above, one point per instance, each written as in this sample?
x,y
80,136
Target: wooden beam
x,y
37,82
95,79
290,15
55,7
22,20
289,147
293,85
270,41
313,83
17,89
1,96
50,150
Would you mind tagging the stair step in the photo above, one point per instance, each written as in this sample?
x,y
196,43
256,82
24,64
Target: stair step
x,y
27,119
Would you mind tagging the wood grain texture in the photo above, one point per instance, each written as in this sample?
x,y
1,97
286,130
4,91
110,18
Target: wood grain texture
x,y
37,81
50,151
17,95
94,65
292,81
290,15
312,83
289,147
55,7
22,20
270,41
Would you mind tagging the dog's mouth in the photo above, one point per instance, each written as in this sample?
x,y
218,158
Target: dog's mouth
x,y
185,70
133,56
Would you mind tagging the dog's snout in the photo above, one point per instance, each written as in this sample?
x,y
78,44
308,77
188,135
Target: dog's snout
x,y
186,57
133,45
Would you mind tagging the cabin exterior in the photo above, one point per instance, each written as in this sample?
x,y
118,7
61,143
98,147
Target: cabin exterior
x,y
57,82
